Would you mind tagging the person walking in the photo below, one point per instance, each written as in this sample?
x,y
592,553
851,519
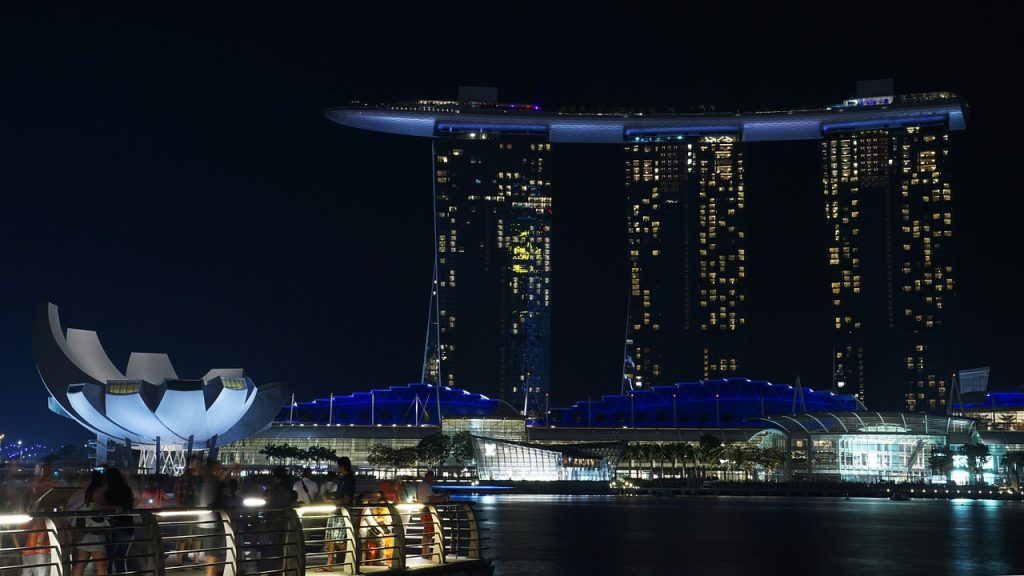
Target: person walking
x,y
344,495
306,487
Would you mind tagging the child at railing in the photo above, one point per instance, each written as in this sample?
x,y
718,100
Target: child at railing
x,y
375,530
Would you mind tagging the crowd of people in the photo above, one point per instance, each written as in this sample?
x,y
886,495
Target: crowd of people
x,y
102,539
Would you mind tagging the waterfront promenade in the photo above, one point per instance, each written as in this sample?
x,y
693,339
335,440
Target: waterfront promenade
x,y
819,489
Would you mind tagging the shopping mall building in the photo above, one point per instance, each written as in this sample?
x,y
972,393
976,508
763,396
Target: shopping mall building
x,y
823,436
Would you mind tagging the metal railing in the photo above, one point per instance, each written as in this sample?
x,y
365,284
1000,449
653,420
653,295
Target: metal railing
x,y
241,541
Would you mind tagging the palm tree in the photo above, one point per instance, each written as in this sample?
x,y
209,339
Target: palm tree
x,y
273,452
977,456
634,453
1014,462
684,453
738,457
318,453
708,453
295,453
771,459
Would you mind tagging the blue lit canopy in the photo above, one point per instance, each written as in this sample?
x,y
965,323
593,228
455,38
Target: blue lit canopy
x,y
992,400
734,402
400,405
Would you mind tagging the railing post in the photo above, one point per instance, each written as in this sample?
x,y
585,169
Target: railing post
x,y
55,537
294,548
399,558
436,553
351,542
151,528
230,542
473,548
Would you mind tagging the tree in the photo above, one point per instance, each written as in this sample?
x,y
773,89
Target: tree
x,y
434,449
681,452
977,457
1014,462
629,454
320,453
380,455
770,459
274,452
461,447
740,458
708,453
294,453
405,457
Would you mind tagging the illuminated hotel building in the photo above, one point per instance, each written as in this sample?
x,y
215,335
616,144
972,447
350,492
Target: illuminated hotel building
x,y
493,200
889,212
686,233
887,205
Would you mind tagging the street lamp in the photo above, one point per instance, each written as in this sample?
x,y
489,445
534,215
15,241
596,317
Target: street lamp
x,y
675,422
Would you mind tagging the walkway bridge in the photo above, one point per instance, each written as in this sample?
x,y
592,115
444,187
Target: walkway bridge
x,y
251,540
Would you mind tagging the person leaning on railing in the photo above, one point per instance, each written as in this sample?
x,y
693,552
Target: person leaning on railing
x,y
425,495
35,554
186,495
91,544
119,501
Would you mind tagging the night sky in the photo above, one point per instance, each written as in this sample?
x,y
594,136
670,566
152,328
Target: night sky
x,y
169,179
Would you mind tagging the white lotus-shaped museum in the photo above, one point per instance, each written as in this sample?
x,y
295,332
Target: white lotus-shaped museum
x,y
148,403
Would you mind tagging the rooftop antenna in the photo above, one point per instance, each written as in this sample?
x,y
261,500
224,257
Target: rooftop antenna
x,y
628,365
798,396
432,339
954,394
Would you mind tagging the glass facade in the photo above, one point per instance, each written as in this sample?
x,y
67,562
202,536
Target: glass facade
x,y
888,210
513,430
340,439
499,460
686,225
867,457
493,198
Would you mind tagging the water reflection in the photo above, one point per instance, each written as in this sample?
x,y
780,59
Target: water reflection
x,y
559,535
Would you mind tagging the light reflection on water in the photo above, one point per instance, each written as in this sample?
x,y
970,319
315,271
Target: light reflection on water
x,y
560,535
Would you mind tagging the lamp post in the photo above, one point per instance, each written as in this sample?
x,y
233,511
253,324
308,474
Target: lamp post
x,y
675,423
718,417
632,416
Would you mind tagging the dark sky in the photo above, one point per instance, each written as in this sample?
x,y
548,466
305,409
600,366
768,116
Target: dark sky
x,y
169,179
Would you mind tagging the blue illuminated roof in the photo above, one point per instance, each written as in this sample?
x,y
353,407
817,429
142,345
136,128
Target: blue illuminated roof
x,y
618,128
731,403
996,400
397,405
